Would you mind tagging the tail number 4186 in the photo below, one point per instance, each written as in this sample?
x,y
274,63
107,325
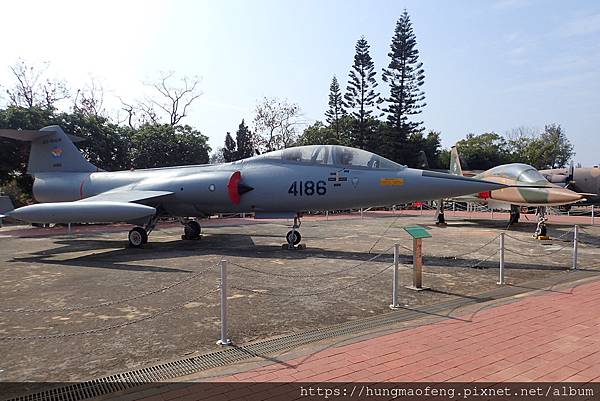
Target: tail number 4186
x,y
307,188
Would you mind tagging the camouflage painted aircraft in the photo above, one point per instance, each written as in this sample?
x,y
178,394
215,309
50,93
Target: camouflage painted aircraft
x,y
281,184
525,187
581,179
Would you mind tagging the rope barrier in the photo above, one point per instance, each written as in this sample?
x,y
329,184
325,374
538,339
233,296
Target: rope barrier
x,y
310,294
107,303
346,269
481,261
537,254
460,255
106,328
384,233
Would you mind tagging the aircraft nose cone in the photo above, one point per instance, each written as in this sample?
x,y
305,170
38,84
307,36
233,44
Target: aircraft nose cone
x,y
563,195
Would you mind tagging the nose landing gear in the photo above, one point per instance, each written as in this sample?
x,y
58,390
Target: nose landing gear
x,y
293,236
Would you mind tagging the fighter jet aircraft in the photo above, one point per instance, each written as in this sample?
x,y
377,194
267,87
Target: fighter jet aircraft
x,y
280,184
525,187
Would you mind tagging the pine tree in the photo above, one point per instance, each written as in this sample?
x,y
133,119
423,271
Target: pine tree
x,y
243,139
405,76
229,151
360,92
336,107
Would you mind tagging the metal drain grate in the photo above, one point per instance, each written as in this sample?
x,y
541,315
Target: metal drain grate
x,y
183,367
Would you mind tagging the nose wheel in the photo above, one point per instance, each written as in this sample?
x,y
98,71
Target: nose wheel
x,y
191,230
293,237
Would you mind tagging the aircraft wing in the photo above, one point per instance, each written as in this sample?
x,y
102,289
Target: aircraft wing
x,y
126,195
107,207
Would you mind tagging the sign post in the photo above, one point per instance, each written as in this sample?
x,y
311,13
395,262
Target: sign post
x,y
417,233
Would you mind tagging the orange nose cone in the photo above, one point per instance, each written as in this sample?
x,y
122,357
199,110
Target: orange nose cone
x,y
562,196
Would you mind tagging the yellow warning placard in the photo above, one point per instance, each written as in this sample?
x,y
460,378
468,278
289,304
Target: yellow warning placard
x,y
391,181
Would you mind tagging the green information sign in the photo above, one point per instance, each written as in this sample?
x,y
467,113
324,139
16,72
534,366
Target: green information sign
x,y
417,231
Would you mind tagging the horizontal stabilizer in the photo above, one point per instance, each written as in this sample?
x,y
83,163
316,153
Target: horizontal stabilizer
x,y
82,212
32,135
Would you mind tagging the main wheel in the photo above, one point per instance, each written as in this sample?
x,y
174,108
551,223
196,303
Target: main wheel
x,y
137,237
293,237
192,230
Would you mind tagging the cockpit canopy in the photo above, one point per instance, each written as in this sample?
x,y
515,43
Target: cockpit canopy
x,y
518,172
333,155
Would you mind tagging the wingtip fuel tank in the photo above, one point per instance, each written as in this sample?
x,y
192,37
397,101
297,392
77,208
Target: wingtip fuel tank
x,y
76,212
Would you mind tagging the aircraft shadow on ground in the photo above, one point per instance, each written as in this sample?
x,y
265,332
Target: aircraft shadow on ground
x,y
114,254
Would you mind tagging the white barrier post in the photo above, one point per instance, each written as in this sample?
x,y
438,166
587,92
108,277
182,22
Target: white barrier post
x,y
592,214
394,304
575,234
224,340
501,274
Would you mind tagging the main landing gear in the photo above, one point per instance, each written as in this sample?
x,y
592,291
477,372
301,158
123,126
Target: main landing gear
x,y
293,237
440,219
541,231
191,230
515,213
138,236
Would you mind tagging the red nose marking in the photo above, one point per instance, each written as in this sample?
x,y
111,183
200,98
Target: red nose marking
x,y
232,187
484,195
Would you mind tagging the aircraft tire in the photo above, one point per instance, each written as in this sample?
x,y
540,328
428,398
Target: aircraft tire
x,y
293,239
192,230
137,237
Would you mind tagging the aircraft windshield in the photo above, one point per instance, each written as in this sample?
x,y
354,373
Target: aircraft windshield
x,y
532,176
518,172
334,155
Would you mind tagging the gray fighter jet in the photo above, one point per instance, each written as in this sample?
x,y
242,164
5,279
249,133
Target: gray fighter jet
x,y
281,184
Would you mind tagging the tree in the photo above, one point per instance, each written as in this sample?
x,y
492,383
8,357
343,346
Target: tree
x,y
166,145
33,88
336,110
90,99
173,100
318,134
405,76
275,124
552,149
230,149
241,148
14,155
243,139
360,92
106,145
484,151
431,146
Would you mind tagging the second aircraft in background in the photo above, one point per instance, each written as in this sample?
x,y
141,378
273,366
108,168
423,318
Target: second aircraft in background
x,y
525,187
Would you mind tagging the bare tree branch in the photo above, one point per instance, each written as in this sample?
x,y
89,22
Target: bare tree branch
x,y
29,92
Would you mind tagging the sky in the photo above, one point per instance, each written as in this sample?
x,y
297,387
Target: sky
x,y
489,65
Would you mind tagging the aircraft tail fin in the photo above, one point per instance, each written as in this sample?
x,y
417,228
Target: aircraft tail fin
x,y
51,150
455,167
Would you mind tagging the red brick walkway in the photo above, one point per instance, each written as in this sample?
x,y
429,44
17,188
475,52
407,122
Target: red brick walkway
x,y
550,337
